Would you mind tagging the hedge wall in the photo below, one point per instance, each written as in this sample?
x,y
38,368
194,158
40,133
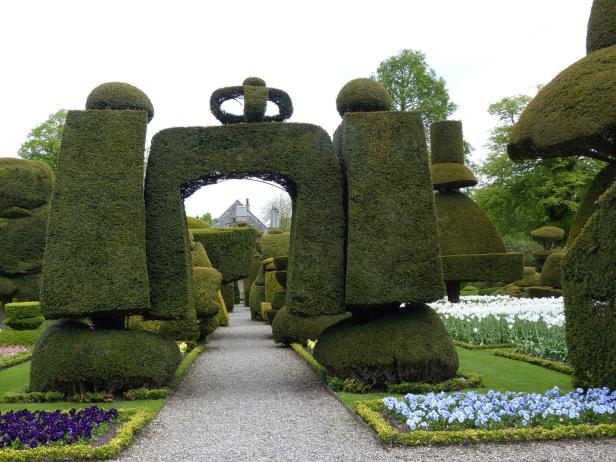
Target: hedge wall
x,y
300,157
25,190
589,273
230,250
573,115
392,247
95,260
275,244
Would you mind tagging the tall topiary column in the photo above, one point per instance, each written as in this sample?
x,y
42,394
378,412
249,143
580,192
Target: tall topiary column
x,y
391,248
25,190
471,249
95,260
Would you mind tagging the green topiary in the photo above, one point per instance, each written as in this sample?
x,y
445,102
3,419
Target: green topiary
x,y
252,275
196,223
447,168
237,299
272,285
531,278
288,328
547,236
275,244
228,295
257,296
229,249
392,247
588,205
589,273
279,300
206,285
551,274
119,95
601,26
363,95
404,346
25,190
208,325
281,263
199,256
73,358
223,314
23,315
543,292
95,258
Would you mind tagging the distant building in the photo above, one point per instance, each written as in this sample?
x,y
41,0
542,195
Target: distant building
x,y
239,212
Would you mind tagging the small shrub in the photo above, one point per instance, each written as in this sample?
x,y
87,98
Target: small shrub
x,y
146,393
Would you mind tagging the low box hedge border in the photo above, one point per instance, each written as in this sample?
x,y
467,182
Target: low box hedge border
x,y
14,360
372,413
547,363
483,346
134,420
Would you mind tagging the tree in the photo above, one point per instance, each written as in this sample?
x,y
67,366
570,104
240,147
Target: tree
x,y
208,218
521,196
284,205
43,141
413,85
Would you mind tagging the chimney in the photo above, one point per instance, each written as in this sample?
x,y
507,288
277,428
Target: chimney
x,y
247,204
274,218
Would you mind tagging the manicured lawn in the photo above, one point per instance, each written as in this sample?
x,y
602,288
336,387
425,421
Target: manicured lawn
x,y
15,378
10,336
497,373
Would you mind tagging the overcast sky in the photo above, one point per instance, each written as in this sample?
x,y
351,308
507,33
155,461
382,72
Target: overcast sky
x,y
55,52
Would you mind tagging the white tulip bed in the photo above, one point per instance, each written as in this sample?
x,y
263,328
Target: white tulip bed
x,y
535,325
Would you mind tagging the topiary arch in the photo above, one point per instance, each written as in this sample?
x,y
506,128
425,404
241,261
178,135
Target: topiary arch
x,y
300,157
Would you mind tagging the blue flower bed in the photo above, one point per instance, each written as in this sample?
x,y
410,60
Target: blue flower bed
x,y
497,410
30,429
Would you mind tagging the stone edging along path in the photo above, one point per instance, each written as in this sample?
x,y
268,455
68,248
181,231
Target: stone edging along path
x,y
246,399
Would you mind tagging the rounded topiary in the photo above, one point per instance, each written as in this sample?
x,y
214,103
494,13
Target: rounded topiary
x,y
73,358
406,345
288,328
23,315
199,256
180,329
547,236
363,95
601,31
24,184
196,223
551,273
24,323
257,296
206,284
281,263
208,325
531,278
228,294
254,81
279,300
119,95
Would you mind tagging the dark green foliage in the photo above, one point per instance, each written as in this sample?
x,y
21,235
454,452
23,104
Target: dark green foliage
x,y
531,278
25,190
73,358
588,206
270,315
572,115
548,236
541,256
275,243
255,264
281,278
119,95
95,259
23,315
228,295
208,325
196,223
463,228
460,382
256,95
199,257
230,250
180,329
404,346
257,295
363,95
551,274
601,26
279,300
543,292
236,293
281,263
206,284
447,145
450,175
392,247
272,286
288,328
493,267
297,156
589,273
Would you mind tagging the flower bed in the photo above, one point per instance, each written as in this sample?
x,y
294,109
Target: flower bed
x,y
29,429
534,326
11,350
494,416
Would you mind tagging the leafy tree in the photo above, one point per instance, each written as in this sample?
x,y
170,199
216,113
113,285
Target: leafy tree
x,y
285,207
43,142
521,196
208,218
412,85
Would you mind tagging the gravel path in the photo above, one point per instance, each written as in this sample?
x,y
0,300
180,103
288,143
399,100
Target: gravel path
x,y
245,399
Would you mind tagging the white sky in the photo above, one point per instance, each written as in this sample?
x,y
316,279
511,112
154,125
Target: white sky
x,y
53,53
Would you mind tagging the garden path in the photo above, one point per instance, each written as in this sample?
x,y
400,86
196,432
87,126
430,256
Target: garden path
x,y
245,399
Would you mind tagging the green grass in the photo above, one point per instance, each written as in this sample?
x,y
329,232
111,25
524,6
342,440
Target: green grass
x,y
497,373
10,336
15,379
153,404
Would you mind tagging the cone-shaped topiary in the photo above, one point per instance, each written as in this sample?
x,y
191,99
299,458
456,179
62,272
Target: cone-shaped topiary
x,y
404,346
73,358
601,26
471,249
589,273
